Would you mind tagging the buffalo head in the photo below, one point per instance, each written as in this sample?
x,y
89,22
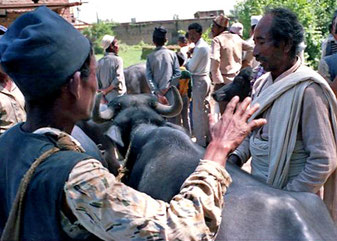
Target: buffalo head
x,y
240,87
141,100
127,112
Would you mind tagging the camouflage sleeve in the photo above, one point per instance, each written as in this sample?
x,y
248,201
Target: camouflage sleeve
x,y
111,210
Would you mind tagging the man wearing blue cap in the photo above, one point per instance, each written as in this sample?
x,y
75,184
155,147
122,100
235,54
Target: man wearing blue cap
x,y
51,189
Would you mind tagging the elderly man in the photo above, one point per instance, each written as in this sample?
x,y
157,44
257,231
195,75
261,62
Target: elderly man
x,y
65,193
296,150
226,54
110,74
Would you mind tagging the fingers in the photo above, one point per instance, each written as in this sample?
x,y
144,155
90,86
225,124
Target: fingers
x,y
231,106
256,123
212,120
243,106
251,111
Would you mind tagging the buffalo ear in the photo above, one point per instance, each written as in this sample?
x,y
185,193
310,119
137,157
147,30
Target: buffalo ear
x,y
114,134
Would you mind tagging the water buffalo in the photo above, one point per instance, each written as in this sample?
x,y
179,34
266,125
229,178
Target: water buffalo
x,y
160,158
135,79
240,86
102,132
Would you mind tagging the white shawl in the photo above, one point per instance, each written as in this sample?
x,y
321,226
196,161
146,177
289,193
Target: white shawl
x,y
286,97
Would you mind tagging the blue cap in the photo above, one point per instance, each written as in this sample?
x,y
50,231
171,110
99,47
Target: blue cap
x,y
40,51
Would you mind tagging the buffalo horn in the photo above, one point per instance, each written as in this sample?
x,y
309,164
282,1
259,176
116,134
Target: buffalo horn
x,y
101,116
174,108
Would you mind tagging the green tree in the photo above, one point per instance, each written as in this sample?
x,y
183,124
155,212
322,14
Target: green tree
x,y
315,16
96,32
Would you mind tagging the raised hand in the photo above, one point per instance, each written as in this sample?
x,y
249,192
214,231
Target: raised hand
x,y
232,128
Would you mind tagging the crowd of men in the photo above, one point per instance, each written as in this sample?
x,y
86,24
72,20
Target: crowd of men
x,y
51,189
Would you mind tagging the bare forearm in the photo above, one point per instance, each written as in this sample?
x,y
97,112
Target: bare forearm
x,y
217,152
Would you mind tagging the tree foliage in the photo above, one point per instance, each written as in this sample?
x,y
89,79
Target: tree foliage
x,y
315,16
96,32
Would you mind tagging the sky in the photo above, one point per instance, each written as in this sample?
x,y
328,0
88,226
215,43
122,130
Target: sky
x,y
146,10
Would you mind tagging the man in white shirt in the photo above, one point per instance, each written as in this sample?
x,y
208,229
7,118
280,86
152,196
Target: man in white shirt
x,y
199,66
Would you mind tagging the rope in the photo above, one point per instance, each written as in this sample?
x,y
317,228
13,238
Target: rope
x,y
12,228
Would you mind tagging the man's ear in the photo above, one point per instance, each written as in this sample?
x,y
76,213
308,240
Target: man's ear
x,y
75,84
288,45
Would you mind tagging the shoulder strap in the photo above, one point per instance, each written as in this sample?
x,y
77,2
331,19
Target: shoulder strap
x,y
12,228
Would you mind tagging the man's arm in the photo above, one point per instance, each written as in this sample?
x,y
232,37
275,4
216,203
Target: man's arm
x,y
247,60
247,46
215,71
112,210
318,140
149,77
119,80
176,71
215,62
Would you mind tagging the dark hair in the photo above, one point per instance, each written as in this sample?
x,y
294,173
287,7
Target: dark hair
x,y
181,58
196,26
159,35
286,27
182,38
160,41
110,49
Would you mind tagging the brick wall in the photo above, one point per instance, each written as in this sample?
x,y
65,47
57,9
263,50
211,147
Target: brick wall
x,y
133,33
12,14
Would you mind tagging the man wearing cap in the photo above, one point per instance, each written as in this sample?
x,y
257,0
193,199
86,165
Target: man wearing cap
x,y
226,54
65,193
162,68
237,28
12,102
110,73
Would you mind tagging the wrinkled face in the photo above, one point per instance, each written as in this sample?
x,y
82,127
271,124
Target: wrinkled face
x,y
88,90
271,57
193,35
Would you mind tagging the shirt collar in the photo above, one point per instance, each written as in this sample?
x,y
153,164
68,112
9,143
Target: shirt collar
x,y
160,47
110,53
4,90
200,41
56,132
